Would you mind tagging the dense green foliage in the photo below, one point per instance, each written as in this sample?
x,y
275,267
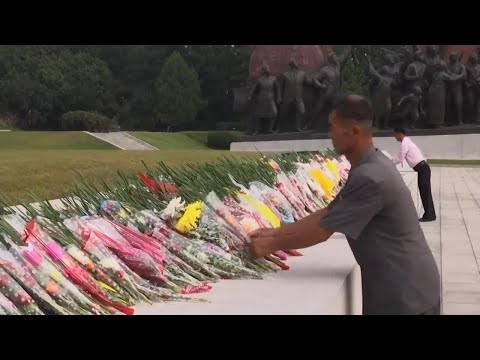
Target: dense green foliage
x,y
86,121
140,87
40,83
178,94
221,140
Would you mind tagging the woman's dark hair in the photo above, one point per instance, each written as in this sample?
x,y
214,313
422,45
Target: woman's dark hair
x,y
399,130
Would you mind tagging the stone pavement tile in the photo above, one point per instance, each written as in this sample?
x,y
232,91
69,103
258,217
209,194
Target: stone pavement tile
x,y
472,183
449,251
451,308
473,229
461,263
461,293
475,244
435,246
458,231
470,204
453,243
459,277
451,222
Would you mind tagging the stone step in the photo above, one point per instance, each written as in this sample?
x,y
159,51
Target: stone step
x,y
123,140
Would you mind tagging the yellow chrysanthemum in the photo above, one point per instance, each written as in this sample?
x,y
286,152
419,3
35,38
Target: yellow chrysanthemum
x,y
188,221
263,209
123,213
334,169
326,184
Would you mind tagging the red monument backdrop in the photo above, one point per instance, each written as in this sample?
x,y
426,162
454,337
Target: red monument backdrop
x,y
466,50
309,57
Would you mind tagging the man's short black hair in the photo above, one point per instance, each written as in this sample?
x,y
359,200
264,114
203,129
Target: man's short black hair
x,y
354,107
399,130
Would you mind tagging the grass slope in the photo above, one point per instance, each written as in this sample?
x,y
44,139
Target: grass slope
x,y
51,140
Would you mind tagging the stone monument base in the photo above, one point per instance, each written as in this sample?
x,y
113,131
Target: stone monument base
x,y
308,135
450,143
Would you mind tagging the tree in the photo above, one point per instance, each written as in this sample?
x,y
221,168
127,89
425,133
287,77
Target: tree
x,y
354,76
221,68
39,83
178,92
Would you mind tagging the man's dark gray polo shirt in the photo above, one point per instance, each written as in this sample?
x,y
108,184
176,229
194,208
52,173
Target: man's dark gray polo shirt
x,y
375,211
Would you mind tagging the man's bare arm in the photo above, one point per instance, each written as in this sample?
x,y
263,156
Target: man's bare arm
x,y
304,233
299,235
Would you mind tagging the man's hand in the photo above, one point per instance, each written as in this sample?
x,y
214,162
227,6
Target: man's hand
x,y
298,235
263,242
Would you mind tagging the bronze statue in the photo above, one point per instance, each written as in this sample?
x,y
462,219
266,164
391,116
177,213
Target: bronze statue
x,y
472,90
292,97
267,95
415,73
410,106
380,93
437,94
394,64
432,59
401,63
390,68
327,80
454,101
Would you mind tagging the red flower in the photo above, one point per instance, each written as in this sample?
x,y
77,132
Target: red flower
x,y
157,186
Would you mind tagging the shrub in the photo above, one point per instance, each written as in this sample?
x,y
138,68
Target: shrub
x,y
86,121
230,126
222,139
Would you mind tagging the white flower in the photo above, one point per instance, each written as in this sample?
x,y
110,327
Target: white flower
x,y
202,257
174,206
110,263
78,255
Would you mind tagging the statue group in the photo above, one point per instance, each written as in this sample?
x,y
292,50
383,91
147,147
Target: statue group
x,y
413,89
278,103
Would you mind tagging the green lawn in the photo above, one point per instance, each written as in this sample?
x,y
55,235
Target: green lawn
x,y
445,162
32,159
49,173
51,140
190,140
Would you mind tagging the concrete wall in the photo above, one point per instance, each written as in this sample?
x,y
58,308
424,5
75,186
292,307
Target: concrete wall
x,y
454,147
349,299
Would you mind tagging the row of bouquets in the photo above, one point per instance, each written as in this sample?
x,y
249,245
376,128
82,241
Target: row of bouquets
x,y
161,235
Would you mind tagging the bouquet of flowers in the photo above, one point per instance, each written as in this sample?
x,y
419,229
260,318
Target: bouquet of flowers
x,y
28,282
157,236
17,295
7,307
35,235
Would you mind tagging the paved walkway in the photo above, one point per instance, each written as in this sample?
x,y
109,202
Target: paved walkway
x,y
455,236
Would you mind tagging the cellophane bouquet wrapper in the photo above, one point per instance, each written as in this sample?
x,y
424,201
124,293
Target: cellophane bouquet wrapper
x,y
129,222
29,283
51,280
132,266
7,307
213,258
35,235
